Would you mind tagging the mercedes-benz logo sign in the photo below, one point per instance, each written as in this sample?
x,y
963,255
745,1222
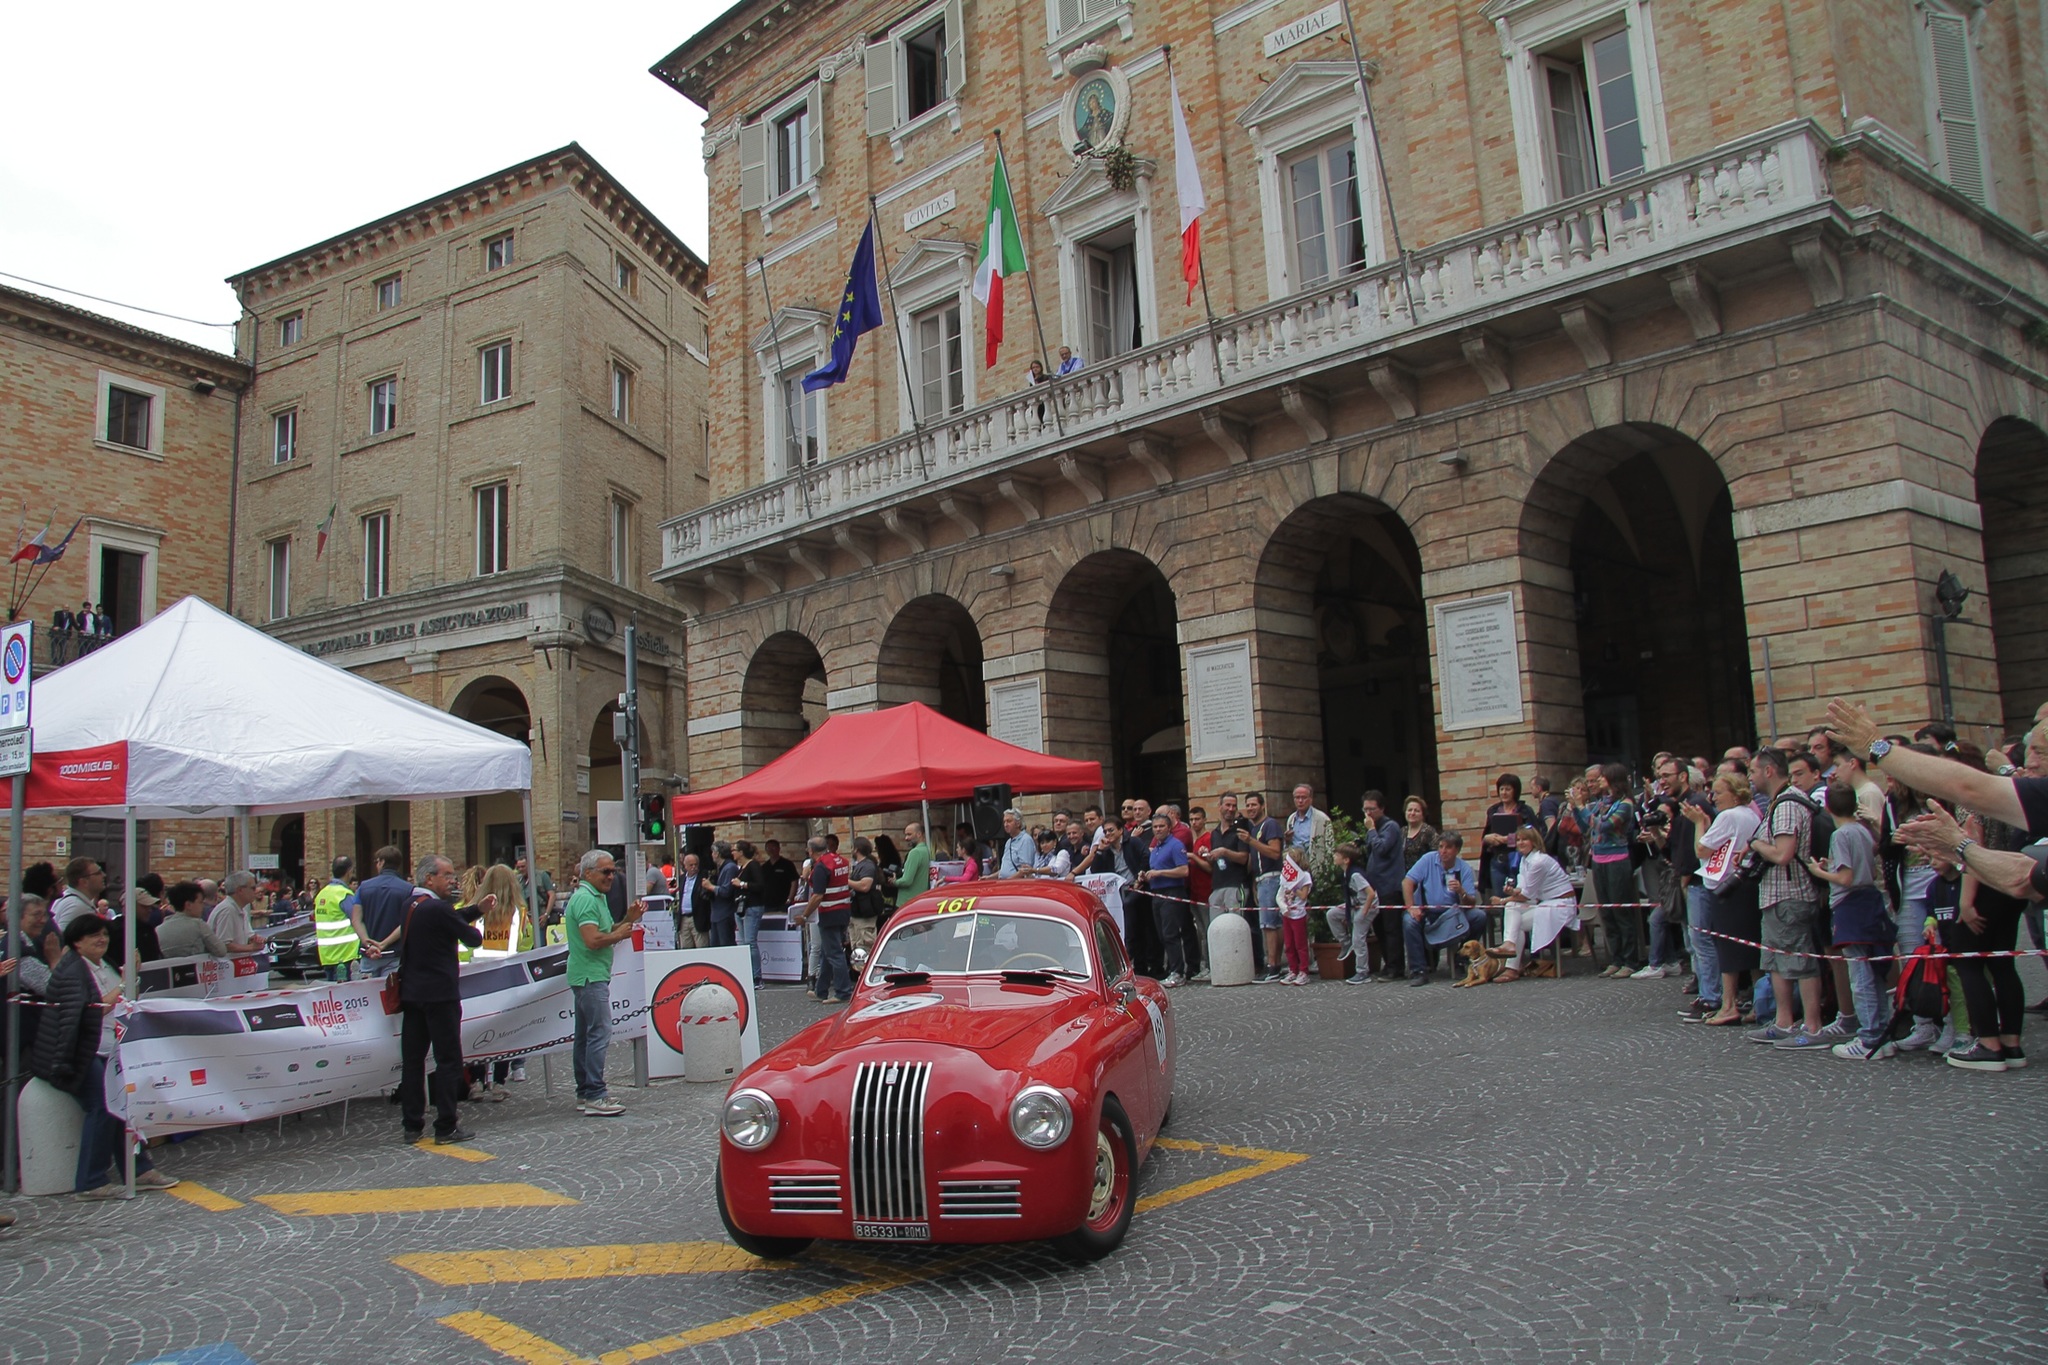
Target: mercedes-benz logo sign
x,y
599,623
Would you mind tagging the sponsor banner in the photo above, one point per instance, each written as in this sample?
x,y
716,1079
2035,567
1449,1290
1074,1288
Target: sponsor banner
x,y
671,976
184,1064
1110,888
203,978
80,777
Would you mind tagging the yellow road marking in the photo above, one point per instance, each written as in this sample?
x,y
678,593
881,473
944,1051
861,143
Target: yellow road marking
x,y
580,1263
213,1201
1263,1163
417,1199
460,1151
670,1258
883,1278
516,1342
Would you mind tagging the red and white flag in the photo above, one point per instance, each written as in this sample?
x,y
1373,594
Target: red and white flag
x,y
1187,184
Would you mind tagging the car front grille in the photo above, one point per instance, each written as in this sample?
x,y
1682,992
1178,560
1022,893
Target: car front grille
x,y
804,1193
886,1151
981,1199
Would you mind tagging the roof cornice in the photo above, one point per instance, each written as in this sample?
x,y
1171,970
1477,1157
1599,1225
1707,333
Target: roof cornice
x,y
457,209
117,340
690,69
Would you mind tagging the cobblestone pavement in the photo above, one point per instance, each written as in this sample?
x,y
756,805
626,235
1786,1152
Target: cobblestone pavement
x,y
1550,1171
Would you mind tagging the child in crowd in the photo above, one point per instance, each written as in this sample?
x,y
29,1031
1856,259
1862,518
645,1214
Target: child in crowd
x,y
1352,922
1862,925
1295,882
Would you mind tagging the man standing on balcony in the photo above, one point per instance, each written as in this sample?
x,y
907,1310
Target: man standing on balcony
x,y
1069,362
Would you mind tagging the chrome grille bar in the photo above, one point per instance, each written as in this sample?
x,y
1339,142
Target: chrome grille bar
x,y
981,1199
886,1141
804,1194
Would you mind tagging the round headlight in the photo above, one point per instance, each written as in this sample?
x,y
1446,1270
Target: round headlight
x,y
751,1119
1041,1117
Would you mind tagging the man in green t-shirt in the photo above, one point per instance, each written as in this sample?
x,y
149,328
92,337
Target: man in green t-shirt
x,y
591,934
916,877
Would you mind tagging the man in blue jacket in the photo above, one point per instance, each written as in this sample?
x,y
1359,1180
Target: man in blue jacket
x,y
1383,848
1441,904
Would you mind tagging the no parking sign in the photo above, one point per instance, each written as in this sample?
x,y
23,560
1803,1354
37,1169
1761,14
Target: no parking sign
x,y
15,653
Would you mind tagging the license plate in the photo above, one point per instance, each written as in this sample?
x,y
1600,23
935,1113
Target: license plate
x,y
893,1232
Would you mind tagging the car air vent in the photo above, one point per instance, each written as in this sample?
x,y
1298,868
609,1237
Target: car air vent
x,y
804,1193
886,1148
981,1199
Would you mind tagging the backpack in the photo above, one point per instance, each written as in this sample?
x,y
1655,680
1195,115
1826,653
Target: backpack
x,y
1820,828
1922,989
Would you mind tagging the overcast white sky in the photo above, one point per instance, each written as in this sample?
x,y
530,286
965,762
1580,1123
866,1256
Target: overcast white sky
x,y
151,150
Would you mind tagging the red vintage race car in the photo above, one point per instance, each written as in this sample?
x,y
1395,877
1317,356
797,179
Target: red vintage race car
x,y
998,1077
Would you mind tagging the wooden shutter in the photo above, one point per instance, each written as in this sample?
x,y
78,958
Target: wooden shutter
x,y
753,164
814,133
1066,16
1957,150
956,50
881,70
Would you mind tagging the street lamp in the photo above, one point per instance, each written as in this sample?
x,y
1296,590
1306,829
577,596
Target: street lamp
x,y
1949,595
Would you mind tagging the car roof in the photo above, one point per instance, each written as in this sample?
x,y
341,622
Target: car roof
x,y
1060,900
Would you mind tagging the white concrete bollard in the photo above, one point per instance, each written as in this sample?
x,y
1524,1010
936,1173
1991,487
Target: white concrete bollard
x,y
50,1123
1230,950
710,1030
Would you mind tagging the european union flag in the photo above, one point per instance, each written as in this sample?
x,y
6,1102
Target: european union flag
x,y
859,311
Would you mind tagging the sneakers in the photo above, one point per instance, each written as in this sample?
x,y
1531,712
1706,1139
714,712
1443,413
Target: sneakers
x,y
1418,979
2014,1058
1949,1038
1173,981
415,1135
1273,977
1802,1041
1920,1039
1977,1057
1202,975
1653,972
1770,1033
1699,1009
518,1072
453,1135
113,1191
603,1108
155,1180
1300,979
1840,1027
1854,1051
1359,979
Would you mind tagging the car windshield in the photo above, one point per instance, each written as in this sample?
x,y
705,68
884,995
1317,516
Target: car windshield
x,y
982,942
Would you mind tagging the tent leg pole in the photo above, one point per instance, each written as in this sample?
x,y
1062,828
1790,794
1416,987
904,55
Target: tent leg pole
x,y
540,912
130,908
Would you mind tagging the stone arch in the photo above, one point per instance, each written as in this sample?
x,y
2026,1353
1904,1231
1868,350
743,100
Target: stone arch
x,y
494,825
2012,495
1637,637
932,653
1343,648
1113,676
782,698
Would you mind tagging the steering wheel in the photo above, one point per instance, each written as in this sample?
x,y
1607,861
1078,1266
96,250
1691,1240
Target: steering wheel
x,y
1057,965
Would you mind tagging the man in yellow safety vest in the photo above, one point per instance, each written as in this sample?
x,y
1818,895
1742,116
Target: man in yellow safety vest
x,y
338,924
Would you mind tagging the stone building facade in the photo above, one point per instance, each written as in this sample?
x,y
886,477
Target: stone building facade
x,y
1621,376
485,406
124,440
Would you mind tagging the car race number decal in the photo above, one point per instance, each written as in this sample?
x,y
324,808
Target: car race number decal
x,y
1158,1031
900,1004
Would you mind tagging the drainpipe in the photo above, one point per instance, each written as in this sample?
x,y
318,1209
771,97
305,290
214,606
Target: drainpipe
x,y
235,449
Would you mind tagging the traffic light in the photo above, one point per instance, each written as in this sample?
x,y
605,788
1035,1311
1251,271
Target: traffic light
x,y
653,819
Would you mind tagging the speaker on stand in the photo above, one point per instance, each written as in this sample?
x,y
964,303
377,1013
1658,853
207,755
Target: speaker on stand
x,y
989,804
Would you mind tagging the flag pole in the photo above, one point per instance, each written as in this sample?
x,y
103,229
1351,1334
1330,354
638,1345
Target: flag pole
x,y
1379,157
1201,257
902,351
1030,283
803,483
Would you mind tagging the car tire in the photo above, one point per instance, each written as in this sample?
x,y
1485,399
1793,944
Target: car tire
x,y
1114,1194
767,1248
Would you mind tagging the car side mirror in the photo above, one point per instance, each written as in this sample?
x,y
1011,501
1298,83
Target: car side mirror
x,y
1126,992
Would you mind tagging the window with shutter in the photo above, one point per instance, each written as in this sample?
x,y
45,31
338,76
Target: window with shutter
x,y
955,39
881,73
1956,136
753,165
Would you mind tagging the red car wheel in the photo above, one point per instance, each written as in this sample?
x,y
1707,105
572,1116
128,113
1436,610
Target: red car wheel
x,y
1109,1198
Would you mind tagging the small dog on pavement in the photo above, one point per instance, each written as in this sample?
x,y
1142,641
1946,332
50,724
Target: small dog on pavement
x,y
1480,968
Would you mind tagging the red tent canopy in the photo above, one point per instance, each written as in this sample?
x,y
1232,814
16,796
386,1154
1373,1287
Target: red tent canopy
x,y
884,760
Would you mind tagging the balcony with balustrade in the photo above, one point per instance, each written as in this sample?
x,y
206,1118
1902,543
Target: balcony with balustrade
x,y
1660,240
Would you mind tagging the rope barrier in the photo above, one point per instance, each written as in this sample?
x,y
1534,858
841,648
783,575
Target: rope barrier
x,y
1941,954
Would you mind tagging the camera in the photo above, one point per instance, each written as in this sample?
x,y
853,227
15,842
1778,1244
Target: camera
x,y
1657,817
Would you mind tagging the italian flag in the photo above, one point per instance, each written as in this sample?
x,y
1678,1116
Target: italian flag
x,y
320,544
1002,254
1187,184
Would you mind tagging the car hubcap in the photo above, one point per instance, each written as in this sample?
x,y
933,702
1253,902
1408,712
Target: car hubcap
x,y
1105,1178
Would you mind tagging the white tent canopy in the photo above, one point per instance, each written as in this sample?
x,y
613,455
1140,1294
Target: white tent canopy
x,y
196,714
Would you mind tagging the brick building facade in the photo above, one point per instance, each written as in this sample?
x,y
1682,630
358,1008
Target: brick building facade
x,y
1720,332
486,405
128,437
